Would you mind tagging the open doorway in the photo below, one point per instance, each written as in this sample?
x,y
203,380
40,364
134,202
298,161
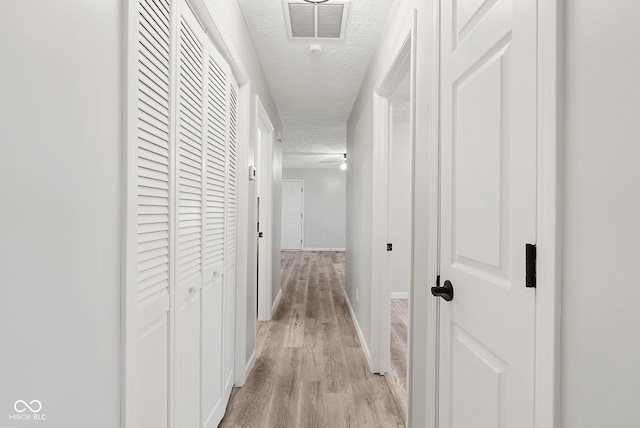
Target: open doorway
x,y
399,236
264,208
393,223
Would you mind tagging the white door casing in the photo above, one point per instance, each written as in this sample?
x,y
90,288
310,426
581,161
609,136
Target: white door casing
x,y
401,64
292,214
488,212
264,162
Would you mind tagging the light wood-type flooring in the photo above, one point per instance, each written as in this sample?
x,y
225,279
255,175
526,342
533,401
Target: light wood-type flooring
x,y
397,376
310,370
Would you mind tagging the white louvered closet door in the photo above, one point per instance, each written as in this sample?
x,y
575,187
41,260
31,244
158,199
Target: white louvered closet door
x,y
189,239
230,242
213,401
153,208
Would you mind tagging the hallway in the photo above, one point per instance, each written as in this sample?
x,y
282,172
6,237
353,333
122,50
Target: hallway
x,y
478,159
310,370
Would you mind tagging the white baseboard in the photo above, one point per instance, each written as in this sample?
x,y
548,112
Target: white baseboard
x,y
323,249
276,302
400,295
249,365
363,343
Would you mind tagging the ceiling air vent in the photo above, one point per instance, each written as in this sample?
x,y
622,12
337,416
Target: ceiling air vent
x,y
316,21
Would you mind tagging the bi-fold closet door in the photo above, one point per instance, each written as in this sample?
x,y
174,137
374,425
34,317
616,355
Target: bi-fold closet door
x,y
185,210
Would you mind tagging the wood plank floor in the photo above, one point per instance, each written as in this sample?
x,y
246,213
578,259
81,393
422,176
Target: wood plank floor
x,y
310,370
397,376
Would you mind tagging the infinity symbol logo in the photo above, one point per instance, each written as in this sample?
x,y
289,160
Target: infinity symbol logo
x,y
21,406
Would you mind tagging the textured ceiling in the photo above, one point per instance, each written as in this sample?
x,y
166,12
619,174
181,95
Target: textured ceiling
x,y
314,93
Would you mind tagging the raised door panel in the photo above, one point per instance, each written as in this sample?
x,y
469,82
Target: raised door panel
x,y
488,212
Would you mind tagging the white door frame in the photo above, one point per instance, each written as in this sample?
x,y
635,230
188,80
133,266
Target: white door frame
x,y
403,62
302,208
422,391
264,165
550,210
549,243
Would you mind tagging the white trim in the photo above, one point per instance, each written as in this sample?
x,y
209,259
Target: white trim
x,y
399,295
276,303
363,343
250,363
323,249
429,227
129,220
549,239
264,149
173,212
303,216
402,62
242,236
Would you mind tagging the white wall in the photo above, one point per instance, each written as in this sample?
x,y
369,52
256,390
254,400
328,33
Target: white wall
x,y
601,289
60,186
276,233
359,193
400,209
229,17
324,205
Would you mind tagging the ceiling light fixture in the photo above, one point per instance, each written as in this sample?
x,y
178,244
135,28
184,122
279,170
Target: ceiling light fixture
x,y
316,1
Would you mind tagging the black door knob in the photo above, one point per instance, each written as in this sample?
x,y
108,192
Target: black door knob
x,y
446,291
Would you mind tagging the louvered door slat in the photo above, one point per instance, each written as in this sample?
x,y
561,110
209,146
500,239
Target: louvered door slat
x,y
153,276
232,188
153,149
190,136
215,162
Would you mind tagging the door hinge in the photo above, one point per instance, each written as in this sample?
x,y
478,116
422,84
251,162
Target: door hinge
x,y
530,254
389,246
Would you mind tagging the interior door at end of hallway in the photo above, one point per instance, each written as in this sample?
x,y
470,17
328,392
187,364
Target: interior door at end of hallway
x,y
292,214
488,212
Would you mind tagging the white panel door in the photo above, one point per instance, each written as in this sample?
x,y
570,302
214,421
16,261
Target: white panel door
x,y
488,117
292,214
230,241
213,403
152,347
189,243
